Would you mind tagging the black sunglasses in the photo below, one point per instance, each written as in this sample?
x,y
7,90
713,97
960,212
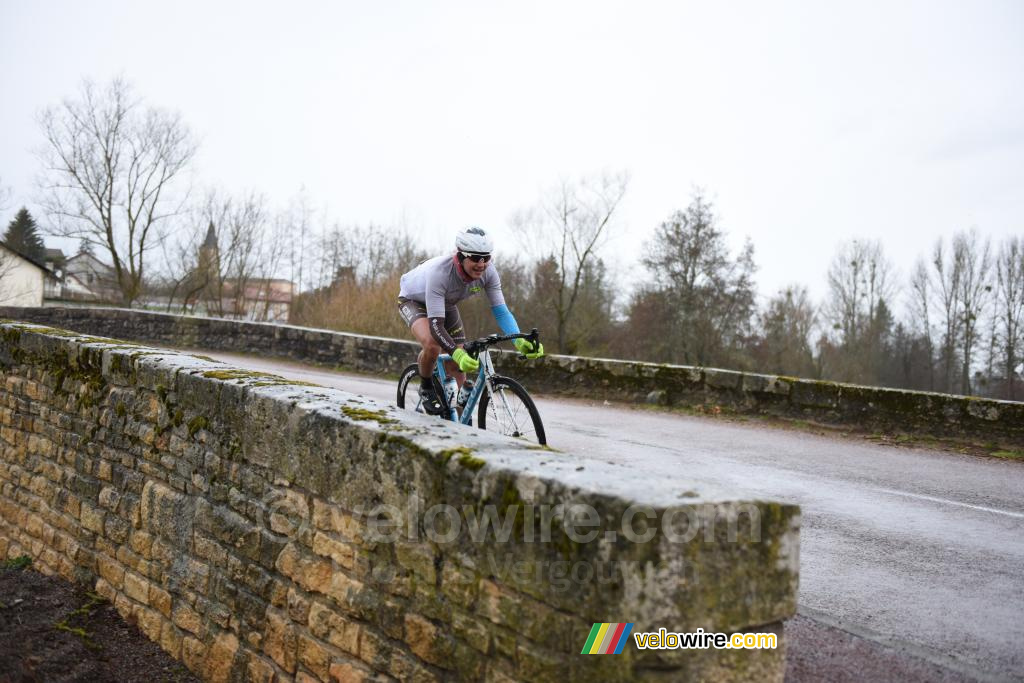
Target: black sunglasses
x,y
476,258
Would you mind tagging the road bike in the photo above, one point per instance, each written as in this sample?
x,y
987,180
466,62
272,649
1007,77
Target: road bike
x,y
503,404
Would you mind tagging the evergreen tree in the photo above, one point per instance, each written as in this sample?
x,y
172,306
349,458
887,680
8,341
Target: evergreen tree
x,y
85,247
23,237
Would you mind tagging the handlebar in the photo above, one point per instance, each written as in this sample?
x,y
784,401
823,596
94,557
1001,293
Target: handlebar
x,y
477,345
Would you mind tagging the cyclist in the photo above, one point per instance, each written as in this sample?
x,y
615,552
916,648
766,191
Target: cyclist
x,y
427,302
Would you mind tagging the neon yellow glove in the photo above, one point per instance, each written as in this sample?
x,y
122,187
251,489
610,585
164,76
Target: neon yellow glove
x,y
465,361
529,350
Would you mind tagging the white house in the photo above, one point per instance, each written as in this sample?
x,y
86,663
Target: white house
x,y
88,278
22,280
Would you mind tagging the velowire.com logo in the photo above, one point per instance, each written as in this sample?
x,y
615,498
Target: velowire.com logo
x,y
607,639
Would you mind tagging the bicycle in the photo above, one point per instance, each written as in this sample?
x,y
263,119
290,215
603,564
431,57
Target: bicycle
x,y
502,400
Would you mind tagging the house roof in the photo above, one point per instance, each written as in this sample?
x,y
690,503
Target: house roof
x,y
31,260
86,255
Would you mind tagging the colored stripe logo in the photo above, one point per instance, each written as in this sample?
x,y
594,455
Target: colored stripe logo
x,y
607,639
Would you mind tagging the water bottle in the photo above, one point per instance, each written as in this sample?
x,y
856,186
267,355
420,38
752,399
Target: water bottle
x,y
450,388
464,392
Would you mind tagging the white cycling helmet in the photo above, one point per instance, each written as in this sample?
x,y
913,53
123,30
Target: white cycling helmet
x,y
474,240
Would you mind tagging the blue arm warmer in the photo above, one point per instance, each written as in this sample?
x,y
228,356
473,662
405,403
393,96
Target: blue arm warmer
x,y
506,321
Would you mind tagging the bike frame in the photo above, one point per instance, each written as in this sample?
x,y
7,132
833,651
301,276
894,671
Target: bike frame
x,y
483,379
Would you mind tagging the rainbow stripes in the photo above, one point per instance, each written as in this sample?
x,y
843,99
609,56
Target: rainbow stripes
x,y
607,639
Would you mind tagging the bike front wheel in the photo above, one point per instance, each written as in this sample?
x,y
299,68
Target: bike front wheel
x,y
510,411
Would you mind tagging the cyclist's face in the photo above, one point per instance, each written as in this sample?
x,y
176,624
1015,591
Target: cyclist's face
x,y
473,268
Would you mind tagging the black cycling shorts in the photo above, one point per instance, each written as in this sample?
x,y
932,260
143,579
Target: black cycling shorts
x,y
411,311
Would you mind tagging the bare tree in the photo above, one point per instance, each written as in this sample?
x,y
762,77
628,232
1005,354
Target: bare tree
x,y
299,216
181,277
1010,308
6,258
787,324
110,167
945,287
920,305
359,272
974,257
368,253
5,195
861,286
571,224
8,262
860,279
242,256
707,294
959,289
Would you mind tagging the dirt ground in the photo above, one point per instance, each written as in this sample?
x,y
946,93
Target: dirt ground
x,y
52,630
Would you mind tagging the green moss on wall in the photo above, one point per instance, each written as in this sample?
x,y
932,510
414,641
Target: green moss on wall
x,y
196,423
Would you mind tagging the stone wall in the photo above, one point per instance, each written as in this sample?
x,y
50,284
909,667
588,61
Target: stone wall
x,y
260,529
886,410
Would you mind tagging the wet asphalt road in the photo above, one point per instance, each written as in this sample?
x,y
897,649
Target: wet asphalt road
x,y
921,551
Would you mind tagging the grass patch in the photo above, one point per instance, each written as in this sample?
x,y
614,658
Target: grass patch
x,y
17,563
82,614
1009,455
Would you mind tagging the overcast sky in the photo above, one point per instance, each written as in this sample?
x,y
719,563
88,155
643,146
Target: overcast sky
x,y
807,123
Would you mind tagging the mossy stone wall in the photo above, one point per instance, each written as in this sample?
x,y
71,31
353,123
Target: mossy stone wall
x,y
232,516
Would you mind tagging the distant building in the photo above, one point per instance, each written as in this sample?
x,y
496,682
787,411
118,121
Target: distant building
x,y
240,299
87,278
257,299
55,260
22,279
55,264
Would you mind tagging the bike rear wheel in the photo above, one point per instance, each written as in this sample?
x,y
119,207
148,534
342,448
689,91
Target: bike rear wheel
x,y
510,411
409,388
408,395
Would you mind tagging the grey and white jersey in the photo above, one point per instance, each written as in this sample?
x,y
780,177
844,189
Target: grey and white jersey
x,y
437,284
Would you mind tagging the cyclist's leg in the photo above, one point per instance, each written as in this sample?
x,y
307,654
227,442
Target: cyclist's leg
x,y
415,315
453,324
430,351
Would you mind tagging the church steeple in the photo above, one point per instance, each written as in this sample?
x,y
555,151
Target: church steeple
x,y
209,254
211,238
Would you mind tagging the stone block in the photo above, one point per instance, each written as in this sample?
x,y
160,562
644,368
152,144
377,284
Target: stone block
x,y
193,654
280,641
349,671
102,588
92,518
136,587
298,606
150,622
160,600
260,670
111,570
171,640
418,558
427,641
221,658
330,626
341,553
374,649
313,656
311,572
187,619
